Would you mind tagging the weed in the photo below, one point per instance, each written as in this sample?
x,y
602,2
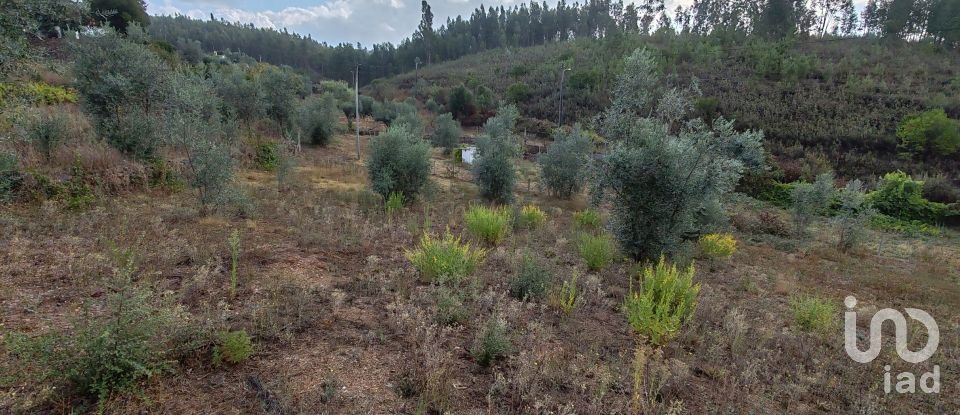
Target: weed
x,y
492,342
531,216
588,219
446,259
490,225
234,242
567,295
812,314
718,245
531,280
234,347
666,299
394,203
450,309
267,156
596,250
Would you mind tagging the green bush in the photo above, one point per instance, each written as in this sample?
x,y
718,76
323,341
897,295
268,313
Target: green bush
x,y
596,250
447,259
588,219
233,347
490,225
10,176
718,245
531,216
460,102
563,167
809,200
940,189
531,280
394,203
665,300
76,193
901,197
446,135
813,314
492,342
104,353
931,132
318,118
450,308
266,156
852,216
493,169
907,227
46,132
518,93
399,162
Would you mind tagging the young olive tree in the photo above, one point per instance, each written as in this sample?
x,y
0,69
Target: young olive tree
x,y
317,119
281,88
665,189
446,135
398,162
563,167
812,199
494,170
123,86
852,216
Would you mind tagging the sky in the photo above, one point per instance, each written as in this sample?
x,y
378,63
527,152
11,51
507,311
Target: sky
x,y
335,21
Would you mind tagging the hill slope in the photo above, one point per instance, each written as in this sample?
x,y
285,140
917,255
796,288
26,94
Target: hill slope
x,y
835,101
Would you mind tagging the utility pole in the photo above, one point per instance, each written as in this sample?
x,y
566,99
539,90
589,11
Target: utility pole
x,y
356,105
416,68
560,115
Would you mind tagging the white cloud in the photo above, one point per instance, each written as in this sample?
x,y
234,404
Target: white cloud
x,y
290,16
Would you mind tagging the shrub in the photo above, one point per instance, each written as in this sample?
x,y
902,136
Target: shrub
x,y
266,156
563,166
489,225
10,176
76,193
906,227
531,216
241,94
531,280
901,197
447,133
45,94
940,189
398,162
450,308
446,259
588,219
718,245
409,118
665,184
493,169
566,296
518,93
234,347
813,314
393,203
460,103
106,353
852,216
810,200
596,250
665,300
930,132
318,118
492,342
281,87
234,243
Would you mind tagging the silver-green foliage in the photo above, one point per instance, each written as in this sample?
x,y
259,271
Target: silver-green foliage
x,y
563,167
852,216
446,135
317,119
123,85
493,169
812,199
398,162
665,188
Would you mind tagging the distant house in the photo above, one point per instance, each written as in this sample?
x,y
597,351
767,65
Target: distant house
x,y
468,154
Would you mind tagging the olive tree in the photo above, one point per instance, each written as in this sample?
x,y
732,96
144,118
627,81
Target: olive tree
x,y
446,134
563,167
398,161
494,171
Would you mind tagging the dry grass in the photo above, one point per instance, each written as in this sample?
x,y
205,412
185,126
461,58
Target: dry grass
x,y
343,325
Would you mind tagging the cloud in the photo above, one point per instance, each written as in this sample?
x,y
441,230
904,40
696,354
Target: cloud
x,y
290,16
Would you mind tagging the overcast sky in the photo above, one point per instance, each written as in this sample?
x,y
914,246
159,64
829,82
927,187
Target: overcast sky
x,y
335,21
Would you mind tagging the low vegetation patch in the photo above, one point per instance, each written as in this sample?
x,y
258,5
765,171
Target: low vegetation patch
x,y
446,259
233,347
718,245
492,342
813,314
588,219
664,301
531,281
531,216
490,225
596,250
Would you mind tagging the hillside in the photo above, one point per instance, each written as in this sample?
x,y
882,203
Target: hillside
x,y
839,100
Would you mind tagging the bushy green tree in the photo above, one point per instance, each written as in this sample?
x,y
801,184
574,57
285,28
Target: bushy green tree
x,y
240,92
123,87
931,132
446,134
281,88
493,169
121,13
901,197
460,103
318,118
563,167
665,189
399,162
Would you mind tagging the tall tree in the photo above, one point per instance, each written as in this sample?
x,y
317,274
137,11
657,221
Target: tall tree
x,y
425,30
120,13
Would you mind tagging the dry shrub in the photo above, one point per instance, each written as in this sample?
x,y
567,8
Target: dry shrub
x,y
287,311
762,222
